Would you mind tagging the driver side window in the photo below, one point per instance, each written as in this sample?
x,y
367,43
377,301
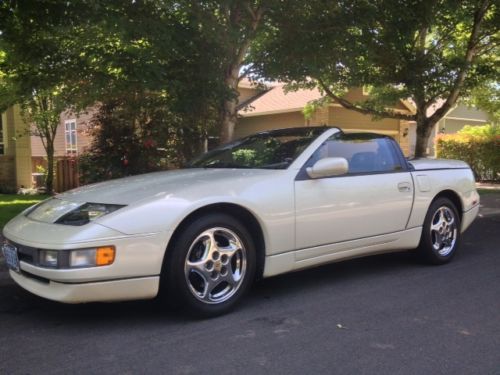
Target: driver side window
x,y
365,153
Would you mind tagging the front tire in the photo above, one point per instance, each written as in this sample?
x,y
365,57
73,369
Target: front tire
x,y
440,233
211,265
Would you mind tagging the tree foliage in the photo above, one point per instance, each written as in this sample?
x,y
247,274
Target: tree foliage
x,y
121,55
174,66
126,140
421,50
43,109
234,25
487,98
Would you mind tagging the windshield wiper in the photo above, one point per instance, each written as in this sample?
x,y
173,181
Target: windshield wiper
x,y
279,165
221,164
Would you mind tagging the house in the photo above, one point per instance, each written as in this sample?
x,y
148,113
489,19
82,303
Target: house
x,y
262,107
272,107
21,153
72,138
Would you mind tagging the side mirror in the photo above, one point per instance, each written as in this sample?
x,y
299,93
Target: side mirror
x,y
328,167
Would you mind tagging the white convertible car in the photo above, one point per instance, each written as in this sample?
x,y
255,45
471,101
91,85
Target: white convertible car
x,y
271,203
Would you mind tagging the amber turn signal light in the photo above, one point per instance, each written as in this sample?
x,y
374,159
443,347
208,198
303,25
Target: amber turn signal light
x,y
105,256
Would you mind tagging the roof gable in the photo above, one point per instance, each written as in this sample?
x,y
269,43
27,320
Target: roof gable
x,y
276,100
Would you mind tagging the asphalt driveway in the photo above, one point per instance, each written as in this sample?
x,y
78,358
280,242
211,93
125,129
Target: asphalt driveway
x,y
379,315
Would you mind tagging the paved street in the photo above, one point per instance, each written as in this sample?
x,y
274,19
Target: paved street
x,y
380,315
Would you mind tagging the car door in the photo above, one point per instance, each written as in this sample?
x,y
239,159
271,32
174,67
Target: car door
x,y
374,198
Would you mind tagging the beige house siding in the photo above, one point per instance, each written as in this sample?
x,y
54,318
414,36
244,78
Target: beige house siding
x,y
355,94
320,117
38,149
23,150
83,139
470,114
7,160
350,120
15,165
404,137
254,124
453,126
353,121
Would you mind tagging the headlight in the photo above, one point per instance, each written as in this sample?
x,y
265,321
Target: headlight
x,y
79,258
82,258
101,256
87,212
48,258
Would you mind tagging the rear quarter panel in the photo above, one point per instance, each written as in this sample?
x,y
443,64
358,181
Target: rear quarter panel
x,y
430,183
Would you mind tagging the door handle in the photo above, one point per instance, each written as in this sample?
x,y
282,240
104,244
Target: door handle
x,y
404,187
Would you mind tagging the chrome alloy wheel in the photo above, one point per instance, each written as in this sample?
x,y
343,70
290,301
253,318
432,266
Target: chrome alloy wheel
x,y
215,265
443,230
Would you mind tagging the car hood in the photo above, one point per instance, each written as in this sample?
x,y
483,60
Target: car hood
x,y
129,190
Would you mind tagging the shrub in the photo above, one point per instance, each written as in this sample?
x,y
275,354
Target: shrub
x,y
479,146
133,137
481,131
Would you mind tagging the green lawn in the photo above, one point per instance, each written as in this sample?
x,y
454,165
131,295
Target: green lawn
x,y
11,205
488,191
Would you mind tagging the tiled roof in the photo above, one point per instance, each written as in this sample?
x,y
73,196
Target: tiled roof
x,y
276,100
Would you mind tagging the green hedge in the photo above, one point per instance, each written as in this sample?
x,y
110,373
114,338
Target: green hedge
x,y
480,149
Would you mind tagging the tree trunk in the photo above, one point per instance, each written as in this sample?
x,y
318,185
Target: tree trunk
x,y
230,107
49,182
424,129
231,79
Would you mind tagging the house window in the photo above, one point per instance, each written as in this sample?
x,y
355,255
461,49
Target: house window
x,y
70,135
2,144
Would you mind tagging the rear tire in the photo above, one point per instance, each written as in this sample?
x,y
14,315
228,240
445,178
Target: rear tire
x,y
210,266
440,238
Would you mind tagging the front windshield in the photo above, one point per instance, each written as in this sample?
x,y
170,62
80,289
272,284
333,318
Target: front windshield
x,y
273,150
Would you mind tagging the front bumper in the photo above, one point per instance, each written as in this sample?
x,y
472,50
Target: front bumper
x,y
134,274
104,291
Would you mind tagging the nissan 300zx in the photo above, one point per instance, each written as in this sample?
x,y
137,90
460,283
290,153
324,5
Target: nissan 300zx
x,y
274,202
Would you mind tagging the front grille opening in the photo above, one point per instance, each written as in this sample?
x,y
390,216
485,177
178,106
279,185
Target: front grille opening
x,y
35,277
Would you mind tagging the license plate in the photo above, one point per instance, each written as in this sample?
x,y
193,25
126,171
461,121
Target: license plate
x,y
11,258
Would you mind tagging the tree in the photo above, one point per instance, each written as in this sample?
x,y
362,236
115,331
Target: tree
x,y
43,111
109,52
26,49
421,50
121,147
487,98
234,26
